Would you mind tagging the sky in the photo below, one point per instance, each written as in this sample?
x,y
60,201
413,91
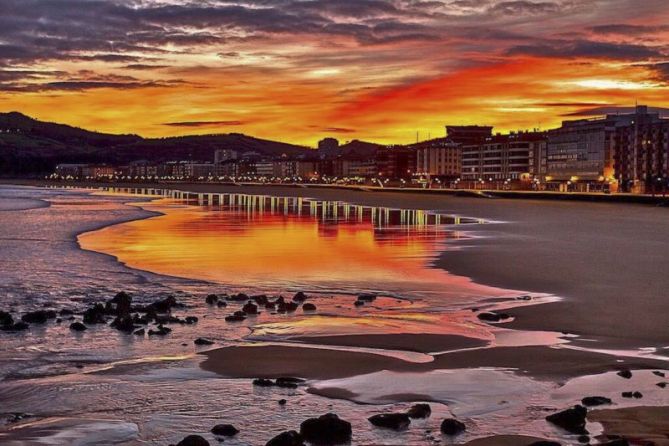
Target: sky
x,y
300,70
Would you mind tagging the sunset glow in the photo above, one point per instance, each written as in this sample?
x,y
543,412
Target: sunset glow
x,y
301,70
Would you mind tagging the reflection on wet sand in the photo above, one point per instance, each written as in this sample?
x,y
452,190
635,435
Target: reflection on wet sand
x,y
274,242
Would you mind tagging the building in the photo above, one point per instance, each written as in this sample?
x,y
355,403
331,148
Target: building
x,y
641,153
264,168
199,170
222,155
505,159
70,170
396,162
468,134
328,145
440,158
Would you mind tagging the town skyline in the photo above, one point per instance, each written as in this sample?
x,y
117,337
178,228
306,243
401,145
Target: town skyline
x,y
298,71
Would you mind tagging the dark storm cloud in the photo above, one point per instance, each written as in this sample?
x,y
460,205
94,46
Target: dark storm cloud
x,y
610,110
524,7
570,104
338,130
628,30
587,49
661,70
203,123
139,33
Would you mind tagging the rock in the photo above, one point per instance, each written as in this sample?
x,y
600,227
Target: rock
x,y
616,442
163,305
240,297
203,341
327,429
421,410
637,395
367,297
309,307
161,331
18,326
289,380
451,426
288,438
78,326
490,316
234,318
396,421
211,299
572,420
627,374
299,297
122,304
260,299
124,324
95,315
658,373
15,417
6,319
282,402
193,440
250,308
262,382
595,401
37,317
661,385
224,430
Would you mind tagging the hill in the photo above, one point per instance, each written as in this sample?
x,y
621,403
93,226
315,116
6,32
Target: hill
x,y
29,146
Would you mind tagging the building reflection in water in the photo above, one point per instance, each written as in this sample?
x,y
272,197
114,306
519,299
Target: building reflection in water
x,y
279,242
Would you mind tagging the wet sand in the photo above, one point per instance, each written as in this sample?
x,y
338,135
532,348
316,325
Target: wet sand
x,y
421,343
607,260
504,440
273,361
647,424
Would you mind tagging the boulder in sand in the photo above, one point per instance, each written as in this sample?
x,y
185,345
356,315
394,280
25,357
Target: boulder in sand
x,y
396,421
451,426
78,326
572,420
193,440
224,430
327,429
288,438
420,410
595,401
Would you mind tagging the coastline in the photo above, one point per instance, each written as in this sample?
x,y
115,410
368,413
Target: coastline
x,y
610,252
546,360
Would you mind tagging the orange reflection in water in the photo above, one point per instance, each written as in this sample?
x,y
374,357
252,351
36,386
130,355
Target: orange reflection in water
x,y
280,244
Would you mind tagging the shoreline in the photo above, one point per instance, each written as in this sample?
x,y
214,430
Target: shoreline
x,y
582,197
547,363
560,239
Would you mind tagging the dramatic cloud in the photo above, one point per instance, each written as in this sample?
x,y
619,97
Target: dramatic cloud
x,y
302,69
203,123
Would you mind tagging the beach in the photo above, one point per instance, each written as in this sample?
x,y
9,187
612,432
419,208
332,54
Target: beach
x,y
602,262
